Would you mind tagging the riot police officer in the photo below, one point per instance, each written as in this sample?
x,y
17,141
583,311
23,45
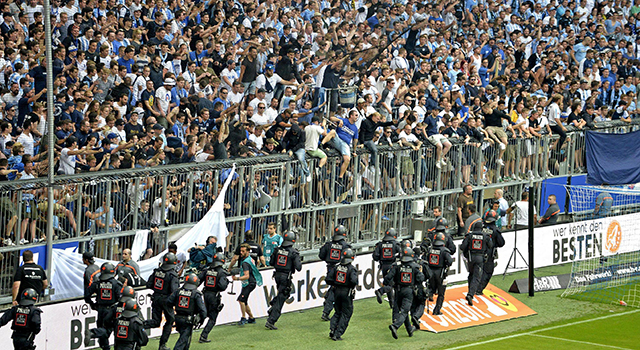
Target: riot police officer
x,y
164,282
331,253
190,310
215,281
421,292
439,260
25,318
128,293
474,247
492,253
440,226
129,331
107,291
385,253
405,276
285,260
343,278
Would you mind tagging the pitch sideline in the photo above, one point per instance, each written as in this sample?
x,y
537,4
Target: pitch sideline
x,y
542,330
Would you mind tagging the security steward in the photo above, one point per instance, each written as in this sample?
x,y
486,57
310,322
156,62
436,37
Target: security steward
x,y
492,253
343,278
439,259
285,260
29,275
386,252
190,310
130,333
405,275
474,248
215,282
164,281
128,293
331,253
25,320
91,270
107,293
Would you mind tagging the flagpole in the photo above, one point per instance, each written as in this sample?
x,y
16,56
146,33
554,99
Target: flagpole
x,y
49,131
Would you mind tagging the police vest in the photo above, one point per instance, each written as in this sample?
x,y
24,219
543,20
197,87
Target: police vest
x,y
161,282
119,310
186,304
335,253
341,275
106,293
211,280
387,252
284,259
477,243
435,259
21,319
124,331
405,275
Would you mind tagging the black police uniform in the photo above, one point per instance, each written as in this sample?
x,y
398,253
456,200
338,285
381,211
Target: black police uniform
x,y
432,235
492,253
421,292
215,280
164,283
285,260
25,322
130,333
188,303
331,253
475,246
255,252
343,279
386,253
107,295
439,260
90,274
404,276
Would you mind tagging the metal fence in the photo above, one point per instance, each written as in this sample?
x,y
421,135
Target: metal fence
x,y
103,210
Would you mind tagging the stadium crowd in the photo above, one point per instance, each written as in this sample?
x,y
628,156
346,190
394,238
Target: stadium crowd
x,y
145,84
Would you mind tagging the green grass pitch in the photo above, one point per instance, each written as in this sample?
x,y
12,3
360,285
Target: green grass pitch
x,y
560,324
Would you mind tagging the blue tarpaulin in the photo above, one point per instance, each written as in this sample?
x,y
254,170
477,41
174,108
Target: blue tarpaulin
x,y
613,158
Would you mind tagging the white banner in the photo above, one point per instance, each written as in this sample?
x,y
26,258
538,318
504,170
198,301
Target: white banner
x,y
65,324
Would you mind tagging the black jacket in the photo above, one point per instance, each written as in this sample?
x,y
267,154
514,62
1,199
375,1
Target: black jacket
x,y
368,128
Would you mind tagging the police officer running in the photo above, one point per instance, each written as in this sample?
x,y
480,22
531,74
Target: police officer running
x,y
474,248
215,281
107,291
492,253
164,281
386,252
190,310
421,292
439,259
130,333
285,259
405,275
128,293
343,278
25,320
331,253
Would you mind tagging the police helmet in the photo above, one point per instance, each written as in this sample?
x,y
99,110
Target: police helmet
x,y
339,233
131,308
107,271
191,282
28,297
406,243
476,226
169,262
441,224
347,256
127,293
490,217
417,250
407,255
289,239
218,260
390,235
439,239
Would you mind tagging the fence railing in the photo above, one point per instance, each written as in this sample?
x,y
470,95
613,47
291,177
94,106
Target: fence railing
x,y
103,210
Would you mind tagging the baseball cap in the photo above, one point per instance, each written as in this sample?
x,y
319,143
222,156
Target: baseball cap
x,y
119,122
170,82
157,127
455,87
112,135
262,90
361,100
88,256
8,106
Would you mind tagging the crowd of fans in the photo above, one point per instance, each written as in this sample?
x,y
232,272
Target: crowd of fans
x,y
145,84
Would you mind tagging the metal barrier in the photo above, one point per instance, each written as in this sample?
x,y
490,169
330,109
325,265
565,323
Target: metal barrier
x,y
103,210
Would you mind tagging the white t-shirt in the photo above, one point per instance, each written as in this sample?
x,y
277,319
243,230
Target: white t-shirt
x,y
156,213
67,162
261,82
554,114
312,133
522,213
28,143
254,103
201,157
232,75
163,96
260,119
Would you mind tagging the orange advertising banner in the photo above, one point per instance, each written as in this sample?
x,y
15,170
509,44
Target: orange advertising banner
x,y
494,305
